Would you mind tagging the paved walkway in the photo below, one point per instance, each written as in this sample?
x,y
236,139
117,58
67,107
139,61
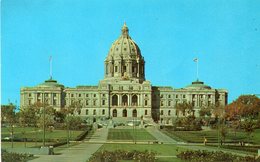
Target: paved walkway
x,y
160,137
78,153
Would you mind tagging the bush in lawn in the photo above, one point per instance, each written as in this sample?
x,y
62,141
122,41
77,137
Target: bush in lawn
x,y
189,123
115,156
219,156
15,157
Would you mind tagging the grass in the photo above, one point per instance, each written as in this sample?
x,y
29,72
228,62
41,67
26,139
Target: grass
x,y
161,150
36,133
212,136
129,134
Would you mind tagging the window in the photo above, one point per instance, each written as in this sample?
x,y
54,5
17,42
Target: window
x,y
29,102
54,102
94,112
161,112
72,95
169,103
86,112
94,103
46,94
124,113
161,103
114,100
169,96
169,112
103,102
145,112
54,94
30,95
115,68
125,100
94,95
87,102
145,102
79,95
124,69
184,96
161,96
103,112
104,95
176,96
86,95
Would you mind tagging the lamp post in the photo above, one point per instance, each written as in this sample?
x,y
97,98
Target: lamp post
x,y
44,124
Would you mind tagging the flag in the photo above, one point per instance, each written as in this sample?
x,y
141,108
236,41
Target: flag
x,y
195,59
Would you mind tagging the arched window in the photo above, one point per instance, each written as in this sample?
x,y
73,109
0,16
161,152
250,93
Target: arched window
x,y
169,112
134,100
145,112
114,113
94,112
115,100
86,112
125,100
134,113
124,113
103,112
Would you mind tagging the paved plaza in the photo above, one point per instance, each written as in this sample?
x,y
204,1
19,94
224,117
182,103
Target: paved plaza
x,y
78,153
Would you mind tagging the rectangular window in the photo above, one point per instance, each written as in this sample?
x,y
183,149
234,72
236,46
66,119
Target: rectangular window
x,y
176,96
161,103
145,112
184,96
161,112
94,95
115,68
86,112
103,102
169,103
46,94
87,103
79,95
54,94
94,103
86,95
145,102
54,102
169,96
30,95
104,95
72,95
124,69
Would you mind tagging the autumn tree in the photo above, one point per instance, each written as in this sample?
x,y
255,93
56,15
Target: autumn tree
x,y
246,106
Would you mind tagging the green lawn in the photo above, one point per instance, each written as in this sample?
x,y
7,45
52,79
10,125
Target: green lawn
x,y
32,133
161,150
130,135
212,136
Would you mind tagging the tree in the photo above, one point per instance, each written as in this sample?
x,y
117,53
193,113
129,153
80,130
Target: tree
x,y
185,107
249,126
8,113
246,106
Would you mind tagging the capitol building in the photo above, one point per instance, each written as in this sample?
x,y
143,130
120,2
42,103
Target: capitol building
x,y
124,92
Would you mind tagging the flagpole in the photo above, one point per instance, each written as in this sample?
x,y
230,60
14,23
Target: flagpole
x,y
197,69
51,67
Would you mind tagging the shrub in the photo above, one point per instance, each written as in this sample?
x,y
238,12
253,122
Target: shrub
x,y
115,156
218,156
15,157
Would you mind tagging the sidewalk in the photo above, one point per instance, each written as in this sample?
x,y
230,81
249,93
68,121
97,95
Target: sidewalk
x,y
78,153
160,137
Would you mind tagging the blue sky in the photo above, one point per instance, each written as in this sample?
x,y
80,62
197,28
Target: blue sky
x,y
223,34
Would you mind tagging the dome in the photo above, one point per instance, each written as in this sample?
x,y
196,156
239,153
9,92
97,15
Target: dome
x,y
124,60
198,85
50,83
124,46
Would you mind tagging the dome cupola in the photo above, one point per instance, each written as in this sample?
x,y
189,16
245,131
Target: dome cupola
x,y
124,60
